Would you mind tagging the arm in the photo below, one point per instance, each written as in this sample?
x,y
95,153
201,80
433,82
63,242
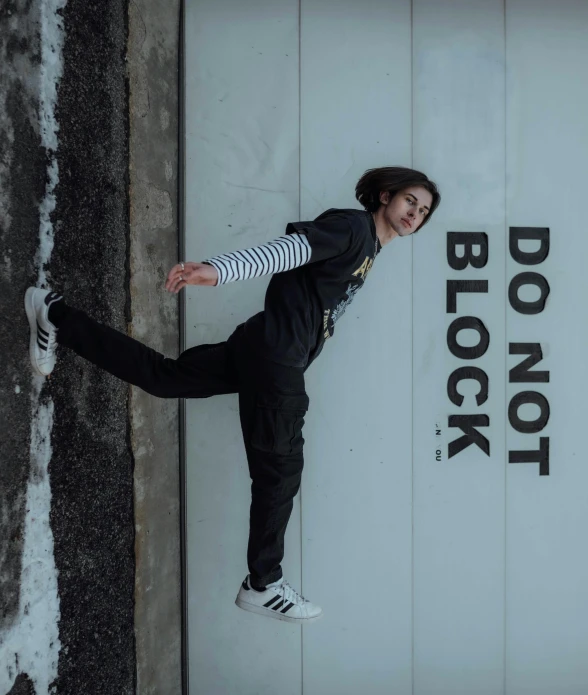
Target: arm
x,y
285,253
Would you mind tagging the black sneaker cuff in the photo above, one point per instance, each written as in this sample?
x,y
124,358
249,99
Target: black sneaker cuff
x,y
57,312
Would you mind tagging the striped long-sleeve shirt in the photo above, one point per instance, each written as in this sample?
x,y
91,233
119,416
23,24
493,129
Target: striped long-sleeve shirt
x,y
285,253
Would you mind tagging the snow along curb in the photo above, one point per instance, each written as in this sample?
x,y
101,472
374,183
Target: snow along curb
x,y
31,645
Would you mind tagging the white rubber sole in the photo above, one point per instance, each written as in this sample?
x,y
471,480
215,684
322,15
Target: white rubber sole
x,y
32,317
260,610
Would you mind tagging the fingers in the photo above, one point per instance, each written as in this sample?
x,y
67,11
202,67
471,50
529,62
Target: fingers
x,y
173,277
177,284
177,278
190,274
176,269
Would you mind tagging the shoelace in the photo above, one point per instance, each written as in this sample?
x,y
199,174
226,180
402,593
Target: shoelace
x,y
51,342
289,593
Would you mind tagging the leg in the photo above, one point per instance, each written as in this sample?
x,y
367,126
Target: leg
x,y
199,372
272,404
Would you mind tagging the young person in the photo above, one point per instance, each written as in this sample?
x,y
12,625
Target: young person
x,y
318,267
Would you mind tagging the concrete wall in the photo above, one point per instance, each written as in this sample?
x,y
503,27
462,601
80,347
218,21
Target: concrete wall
x,y
89,519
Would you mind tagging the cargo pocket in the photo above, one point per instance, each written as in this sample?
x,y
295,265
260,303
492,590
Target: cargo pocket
x,y
278,423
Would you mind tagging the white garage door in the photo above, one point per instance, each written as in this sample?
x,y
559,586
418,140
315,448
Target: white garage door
x,y
441,522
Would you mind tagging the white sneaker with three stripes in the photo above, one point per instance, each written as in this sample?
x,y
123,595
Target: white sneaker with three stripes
x,y
279,600
43,340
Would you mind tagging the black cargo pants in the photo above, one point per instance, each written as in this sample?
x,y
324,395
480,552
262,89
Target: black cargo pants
x,y
272,406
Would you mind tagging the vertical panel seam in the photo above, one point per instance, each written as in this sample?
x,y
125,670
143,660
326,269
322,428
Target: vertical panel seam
x,y
182,439
300,217
506,358
412,350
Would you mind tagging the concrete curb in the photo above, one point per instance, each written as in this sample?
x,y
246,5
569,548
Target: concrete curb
x,y
153,51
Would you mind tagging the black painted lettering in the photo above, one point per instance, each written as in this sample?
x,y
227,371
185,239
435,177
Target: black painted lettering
x,y
517,282
467,353
520,372
467,373
468,240
468,424
540,456
528,257
455,286
528,426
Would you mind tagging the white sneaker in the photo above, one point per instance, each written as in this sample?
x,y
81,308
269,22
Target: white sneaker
x,y
43,340
279,600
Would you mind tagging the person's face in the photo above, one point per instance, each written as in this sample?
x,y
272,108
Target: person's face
x,y
411,204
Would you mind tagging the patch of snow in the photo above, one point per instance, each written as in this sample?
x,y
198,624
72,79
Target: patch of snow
x,y
31,645
52,35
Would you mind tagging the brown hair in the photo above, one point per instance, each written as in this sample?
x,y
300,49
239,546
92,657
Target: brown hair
x,y
393,180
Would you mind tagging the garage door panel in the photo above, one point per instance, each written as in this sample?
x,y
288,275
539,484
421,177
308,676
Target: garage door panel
x,y
356,496
459,499
547,148
242,150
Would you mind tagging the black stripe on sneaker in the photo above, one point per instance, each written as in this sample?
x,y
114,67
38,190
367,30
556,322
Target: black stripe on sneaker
x,y
43,346
52,297
285,610
272,600
279,605
41,331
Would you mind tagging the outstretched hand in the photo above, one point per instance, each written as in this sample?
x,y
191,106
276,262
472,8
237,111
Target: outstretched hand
x,y
192,274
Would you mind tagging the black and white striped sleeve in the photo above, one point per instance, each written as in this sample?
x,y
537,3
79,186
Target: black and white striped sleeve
x,y
287,252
